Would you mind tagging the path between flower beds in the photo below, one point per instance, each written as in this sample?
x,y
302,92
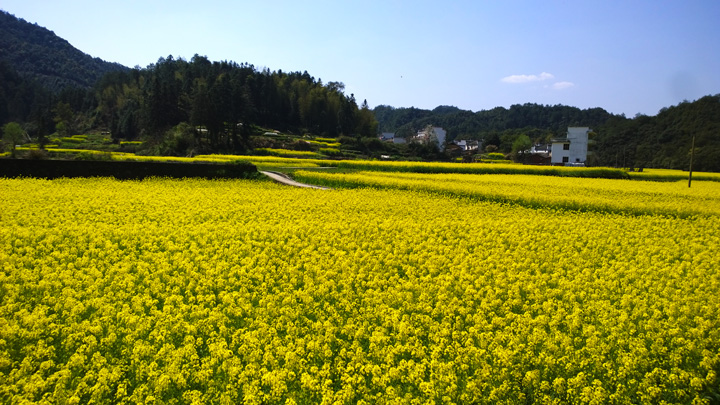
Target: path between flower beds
x,y
285,179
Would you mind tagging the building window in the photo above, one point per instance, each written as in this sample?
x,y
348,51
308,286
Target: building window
x,y
566,146
566,159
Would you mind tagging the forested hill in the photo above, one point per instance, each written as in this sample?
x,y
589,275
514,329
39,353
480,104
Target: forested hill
x,y
226,99
188,107
543,121
662,141
37,53
48,86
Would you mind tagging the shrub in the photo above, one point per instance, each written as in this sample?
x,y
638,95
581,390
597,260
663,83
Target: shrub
x,y
493,156
301,145
93,155
37,154
330,151
70,139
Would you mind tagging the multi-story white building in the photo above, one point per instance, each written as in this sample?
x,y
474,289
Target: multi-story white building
x,y
431,135
571,150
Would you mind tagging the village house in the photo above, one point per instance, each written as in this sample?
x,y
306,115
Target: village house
x,y
572,150
427,135
391,138
430,134
454,150
541,148
539,154
467,145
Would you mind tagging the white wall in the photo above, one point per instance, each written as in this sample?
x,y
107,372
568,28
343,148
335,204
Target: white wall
x,y
557,153
578,138
441,136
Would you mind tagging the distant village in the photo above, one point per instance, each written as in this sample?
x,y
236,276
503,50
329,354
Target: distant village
x,y
570,150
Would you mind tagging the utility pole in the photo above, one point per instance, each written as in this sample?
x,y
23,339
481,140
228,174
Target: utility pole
x,y
692,155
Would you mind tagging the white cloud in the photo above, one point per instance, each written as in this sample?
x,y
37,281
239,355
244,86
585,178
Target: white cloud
x,y
562,85
527,78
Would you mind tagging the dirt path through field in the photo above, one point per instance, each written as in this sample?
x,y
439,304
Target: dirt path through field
x,y
285,179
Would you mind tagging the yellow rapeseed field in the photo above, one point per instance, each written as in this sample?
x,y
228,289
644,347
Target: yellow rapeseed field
x,y
610,195
673,175
231,291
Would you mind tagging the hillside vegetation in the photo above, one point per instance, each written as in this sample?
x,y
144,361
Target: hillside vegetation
x,y
51,87
185,107
662,141
496,126
38,54
222,102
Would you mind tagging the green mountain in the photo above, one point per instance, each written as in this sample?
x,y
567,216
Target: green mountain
x,y
36,53
42,75
541,120
48,86
662,141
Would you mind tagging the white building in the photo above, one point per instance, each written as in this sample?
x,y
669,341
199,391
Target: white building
x,y
438,133
390,137
441,136
540,148
467,145
571,150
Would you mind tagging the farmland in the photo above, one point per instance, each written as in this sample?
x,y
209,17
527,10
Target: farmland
x,y
264,157
228,291
570,193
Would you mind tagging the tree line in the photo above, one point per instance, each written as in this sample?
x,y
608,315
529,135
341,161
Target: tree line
x,y
182,107
185,106
179,106
223,100
464,124
662,141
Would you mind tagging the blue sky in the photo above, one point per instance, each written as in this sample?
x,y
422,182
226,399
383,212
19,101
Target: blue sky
x,y
627,56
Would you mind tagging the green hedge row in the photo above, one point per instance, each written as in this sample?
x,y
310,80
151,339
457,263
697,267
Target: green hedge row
x,y
52,169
